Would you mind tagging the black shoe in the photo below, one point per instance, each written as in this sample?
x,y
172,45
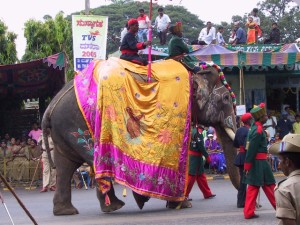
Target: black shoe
x,y
212,196
253,217
258,206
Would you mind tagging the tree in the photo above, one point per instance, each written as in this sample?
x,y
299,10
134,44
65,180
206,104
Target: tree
x,y
8,51
118,14
49,37
286,13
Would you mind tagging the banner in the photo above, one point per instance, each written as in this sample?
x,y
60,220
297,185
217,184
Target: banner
x,y
255,48
89,39
240,110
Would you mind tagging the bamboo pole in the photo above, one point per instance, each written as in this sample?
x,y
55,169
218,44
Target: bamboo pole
x,y
241,74
242,86
87,7
18,199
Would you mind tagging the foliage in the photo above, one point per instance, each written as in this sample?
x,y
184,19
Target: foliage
x,y
120,11
8,52
55,35
286,13
48,38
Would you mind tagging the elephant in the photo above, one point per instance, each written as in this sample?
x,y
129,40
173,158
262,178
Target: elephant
x,y
212,105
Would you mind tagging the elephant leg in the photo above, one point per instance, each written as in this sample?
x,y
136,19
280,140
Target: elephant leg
x,y
62,197
179,205
115,203
140,199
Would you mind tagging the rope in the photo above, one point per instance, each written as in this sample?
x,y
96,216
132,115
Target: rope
x,y
60,99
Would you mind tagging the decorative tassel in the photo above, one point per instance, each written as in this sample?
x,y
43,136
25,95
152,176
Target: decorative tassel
x,y
124,192
107,200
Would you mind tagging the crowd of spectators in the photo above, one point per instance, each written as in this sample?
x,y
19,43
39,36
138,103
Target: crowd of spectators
x,y
18,158
209,34
24,159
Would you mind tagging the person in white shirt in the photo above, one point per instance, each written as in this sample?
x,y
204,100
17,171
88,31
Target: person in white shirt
x,y
220,39
49,174
162,23
207,35
144,24
124,32
270,125
256,19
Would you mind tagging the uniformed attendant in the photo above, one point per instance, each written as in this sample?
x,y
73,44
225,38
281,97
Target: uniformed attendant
x,y
130,46
196,165
49,174
287,193
258,172
239,143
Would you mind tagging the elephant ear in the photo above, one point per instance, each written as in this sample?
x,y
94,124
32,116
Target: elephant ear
x,y
200,90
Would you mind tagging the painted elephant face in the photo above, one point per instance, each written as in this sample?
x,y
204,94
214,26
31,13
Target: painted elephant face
x,y
212,99
213,106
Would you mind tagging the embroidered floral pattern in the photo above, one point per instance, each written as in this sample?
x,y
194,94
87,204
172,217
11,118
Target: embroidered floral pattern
x,y
111,113
147,161
165,136
84,137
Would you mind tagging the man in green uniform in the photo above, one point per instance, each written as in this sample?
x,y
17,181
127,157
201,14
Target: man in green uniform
x,y
287,193
258,172
196,165
178,49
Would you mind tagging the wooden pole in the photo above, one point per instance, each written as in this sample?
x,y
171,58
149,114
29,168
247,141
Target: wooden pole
x,y
242,86
36,168
18,199
240,70
87,7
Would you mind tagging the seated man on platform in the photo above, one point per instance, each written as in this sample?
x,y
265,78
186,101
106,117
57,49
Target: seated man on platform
x,y
178,49
130,46
83,172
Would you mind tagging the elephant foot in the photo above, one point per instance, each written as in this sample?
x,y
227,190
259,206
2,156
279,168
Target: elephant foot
x,y
113,206
140,199
60,210
179,205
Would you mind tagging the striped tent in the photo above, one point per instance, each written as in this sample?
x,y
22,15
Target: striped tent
x,y
227,57
218,54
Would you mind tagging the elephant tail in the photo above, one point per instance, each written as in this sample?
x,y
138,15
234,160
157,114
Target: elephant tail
x,y
46,129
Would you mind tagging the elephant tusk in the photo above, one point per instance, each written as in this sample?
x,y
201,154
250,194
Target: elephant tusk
x,y
230,133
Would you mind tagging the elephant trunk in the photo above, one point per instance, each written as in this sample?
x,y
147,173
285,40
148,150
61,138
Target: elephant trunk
x,y
230,154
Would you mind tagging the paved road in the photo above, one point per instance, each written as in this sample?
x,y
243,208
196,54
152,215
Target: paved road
x,y
218,211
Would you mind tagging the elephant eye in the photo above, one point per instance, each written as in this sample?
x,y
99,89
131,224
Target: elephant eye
x,y
226,98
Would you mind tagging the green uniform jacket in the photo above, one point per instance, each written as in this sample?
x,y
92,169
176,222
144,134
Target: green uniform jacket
x,y
196,164
177,47
260,172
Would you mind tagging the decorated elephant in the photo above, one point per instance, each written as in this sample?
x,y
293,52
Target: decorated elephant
x,y
133,116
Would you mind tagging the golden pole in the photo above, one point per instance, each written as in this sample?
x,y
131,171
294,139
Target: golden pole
x,y
4,166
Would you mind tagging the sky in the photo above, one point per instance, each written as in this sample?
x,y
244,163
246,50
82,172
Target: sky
x,y
14,13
